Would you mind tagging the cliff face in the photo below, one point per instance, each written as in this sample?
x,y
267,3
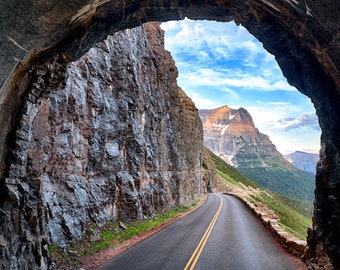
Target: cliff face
x,y
112,135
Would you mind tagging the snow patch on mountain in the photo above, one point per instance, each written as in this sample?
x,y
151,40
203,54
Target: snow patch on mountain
x,y
224,129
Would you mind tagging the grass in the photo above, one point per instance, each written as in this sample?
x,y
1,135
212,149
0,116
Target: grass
x,y
111,234
228,178
292,183
295,216
159,218
290,219
230,172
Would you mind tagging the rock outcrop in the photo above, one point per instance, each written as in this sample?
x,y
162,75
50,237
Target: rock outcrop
x,y
303,36
108,136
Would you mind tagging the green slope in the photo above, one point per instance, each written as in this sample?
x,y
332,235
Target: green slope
x,y
278,175
292,220
234,175
295,215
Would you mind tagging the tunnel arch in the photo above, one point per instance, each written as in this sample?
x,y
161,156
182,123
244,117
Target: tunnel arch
x,y
303,36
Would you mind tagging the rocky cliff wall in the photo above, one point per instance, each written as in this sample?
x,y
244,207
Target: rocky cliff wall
x,y
111,135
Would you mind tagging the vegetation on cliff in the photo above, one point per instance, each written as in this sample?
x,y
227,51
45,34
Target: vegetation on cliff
x,y
282,178
229,172
113,235
291,220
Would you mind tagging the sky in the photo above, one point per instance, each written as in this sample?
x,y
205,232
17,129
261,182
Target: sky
x,y
222,64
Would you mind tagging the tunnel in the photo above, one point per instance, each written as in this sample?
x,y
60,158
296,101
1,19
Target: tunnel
x,y
303,36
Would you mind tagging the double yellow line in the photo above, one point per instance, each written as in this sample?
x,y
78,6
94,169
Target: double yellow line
x,y
197,253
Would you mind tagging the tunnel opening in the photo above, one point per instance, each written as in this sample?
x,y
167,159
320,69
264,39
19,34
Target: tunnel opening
x,y
287,30
220,65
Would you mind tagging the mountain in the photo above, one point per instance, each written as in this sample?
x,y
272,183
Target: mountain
x,y
229,132
232,135
304,161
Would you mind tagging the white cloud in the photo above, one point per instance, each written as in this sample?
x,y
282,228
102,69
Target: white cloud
x,y
210,77
203,55
267,116
196,46
222,39
286,132
170,25
305,140
202,102
304,120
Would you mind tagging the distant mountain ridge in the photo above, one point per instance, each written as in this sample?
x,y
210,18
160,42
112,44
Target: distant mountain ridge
x,y
303,160
232,135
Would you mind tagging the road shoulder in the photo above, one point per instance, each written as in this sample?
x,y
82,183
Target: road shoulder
x,y
100,258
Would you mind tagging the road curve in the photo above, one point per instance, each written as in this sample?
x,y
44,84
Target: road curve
x,y
221,234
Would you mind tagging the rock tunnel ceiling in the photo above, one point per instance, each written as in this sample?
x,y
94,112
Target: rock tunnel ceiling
x,y
303,35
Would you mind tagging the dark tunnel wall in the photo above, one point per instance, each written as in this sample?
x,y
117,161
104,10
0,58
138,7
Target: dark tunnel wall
x,y
303,36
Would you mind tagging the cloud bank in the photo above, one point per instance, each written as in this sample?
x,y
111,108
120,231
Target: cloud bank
x,y
304,120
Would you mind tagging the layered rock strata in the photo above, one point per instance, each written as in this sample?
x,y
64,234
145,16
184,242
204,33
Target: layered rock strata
x,y
228,132
111,135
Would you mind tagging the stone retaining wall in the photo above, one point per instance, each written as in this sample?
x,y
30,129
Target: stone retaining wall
x,y
271,221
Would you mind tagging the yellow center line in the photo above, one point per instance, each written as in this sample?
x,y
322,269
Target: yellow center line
x,y
197,253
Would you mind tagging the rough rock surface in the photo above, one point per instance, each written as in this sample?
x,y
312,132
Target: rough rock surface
x,y
228,132
107,138
209,173
303,35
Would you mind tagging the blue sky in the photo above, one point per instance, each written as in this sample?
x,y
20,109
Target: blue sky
x,y
222,64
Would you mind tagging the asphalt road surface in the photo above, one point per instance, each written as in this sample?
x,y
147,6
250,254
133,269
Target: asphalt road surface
x,y
221,234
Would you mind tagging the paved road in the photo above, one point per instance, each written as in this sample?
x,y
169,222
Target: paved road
x,y
221,234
